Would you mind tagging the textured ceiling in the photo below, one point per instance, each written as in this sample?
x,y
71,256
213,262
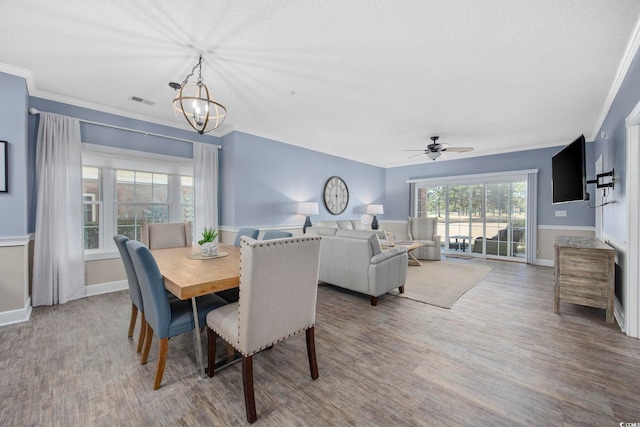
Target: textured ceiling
x,y
360,79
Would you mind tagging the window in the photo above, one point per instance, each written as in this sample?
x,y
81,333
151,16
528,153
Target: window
x,y
486,214
121,190
92,201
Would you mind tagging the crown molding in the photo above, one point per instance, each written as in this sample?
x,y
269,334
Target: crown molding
x,y
629,54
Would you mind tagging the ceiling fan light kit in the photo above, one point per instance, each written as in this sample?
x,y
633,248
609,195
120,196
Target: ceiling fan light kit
x,y
435,150
433,155
196,104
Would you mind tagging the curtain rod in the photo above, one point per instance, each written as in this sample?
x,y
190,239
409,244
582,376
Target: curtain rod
x,y
36,111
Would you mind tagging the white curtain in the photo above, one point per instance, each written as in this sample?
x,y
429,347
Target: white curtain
x,y
531,237
58,265
205,173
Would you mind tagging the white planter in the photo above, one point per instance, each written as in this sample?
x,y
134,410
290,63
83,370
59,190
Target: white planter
x,y
209,249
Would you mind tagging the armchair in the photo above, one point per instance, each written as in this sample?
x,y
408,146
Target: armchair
x,y
423,229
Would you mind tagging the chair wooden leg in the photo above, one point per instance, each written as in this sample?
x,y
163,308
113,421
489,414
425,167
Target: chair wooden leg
x,y
247,383
374,300
401,289
231,352
143,332
148,337
132,322
311,352
211,346
163,347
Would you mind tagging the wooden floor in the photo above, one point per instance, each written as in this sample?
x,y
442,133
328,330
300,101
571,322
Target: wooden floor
x,y
500,356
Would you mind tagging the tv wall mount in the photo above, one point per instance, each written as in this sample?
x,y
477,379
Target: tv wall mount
x,y
601,177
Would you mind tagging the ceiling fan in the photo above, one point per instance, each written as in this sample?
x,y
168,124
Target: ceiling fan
x,y
436,150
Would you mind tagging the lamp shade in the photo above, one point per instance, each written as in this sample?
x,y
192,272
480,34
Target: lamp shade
x,y
307,208
375,210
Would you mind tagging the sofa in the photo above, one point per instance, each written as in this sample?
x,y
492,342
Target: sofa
x,y
498,244
354,259
351,224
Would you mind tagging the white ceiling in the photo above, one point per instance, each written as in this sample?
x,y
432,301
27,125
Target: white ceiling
x,y
360,79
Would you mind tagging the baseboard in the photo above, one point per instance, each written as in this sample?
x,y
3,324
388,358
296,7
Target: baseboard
x,y
545,262
16,316
104,288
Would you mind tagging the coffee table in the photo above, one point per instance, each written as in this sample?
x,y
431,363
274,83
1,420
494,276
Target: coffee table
x,y
410,247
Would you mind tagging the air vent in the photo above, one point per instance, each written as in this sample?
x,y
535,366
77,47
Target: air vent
x,y
141,100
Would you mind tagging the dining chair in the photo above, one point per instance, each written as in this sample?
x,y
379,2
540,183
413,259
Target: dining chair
x,y
134,291
276,234
164,318
278,291
162,235
249,232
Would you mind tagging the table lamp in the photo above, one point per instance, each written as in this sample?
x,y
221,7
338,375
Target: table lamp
x,y
375,210
307,208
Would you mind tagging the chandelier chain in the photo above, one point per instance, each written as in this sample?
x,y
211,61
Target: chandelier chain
x,y
193,70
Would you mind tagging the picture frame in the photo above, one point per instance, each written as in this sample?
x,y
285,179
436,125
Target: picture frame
x,y
4,171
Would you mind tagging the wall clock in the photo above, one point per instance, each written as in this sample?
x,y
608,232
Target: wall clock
x,y
336,195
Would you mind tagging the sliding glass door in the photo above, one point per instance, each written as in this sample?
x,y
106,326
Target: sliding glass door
x,y
486,219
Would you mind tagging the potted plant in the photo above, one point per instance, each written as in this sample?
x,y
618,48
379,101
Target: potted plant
x,y
208,247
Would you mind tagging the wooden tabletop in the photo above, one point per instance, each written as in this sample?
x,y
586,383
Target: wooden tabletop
x,y
187,278
409,245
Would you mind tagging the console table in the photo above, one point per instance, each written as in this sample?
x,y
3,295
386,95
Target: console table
x,y
584,273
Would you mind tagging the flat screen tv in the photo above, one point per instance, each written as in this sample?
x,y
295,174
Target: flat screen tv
x,y
569,173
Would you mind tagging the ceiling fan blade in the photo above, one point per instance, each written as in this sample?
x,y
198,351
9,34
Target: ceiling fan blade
x,y
459,149
440,147
415,150
443,155
415,155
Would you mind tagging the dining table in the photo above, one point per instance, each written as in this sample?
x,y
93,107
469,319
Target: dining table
x,y
188,275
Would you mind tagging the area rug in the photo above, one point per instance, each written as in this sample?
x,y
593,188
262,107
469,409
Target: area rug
x,y
441,283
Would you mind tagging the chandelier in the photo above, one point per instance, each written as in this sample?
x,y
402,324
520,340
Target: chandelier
x,y
196,104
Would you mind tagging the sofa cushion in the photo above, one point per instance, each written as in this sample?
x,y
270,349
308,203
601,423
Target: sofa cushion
x,y
323,231
332,224
359,225
372,237
345,224
387,254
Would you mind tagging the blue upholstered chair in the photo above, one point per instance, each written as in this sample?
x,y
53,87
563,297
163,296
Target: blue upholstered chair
x,y
278,292
276,234
249,232
164,318
134,291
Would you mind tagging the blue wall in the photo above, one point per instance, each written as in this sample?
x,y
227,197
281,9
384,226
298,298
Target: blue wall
x,y
614,150
578,213
270,178
13,129
261,180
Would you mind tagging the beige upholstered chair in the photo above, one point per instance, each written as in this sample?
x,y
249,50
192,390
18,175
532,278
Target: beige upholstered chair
x,y
166,234
423,229
278,290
